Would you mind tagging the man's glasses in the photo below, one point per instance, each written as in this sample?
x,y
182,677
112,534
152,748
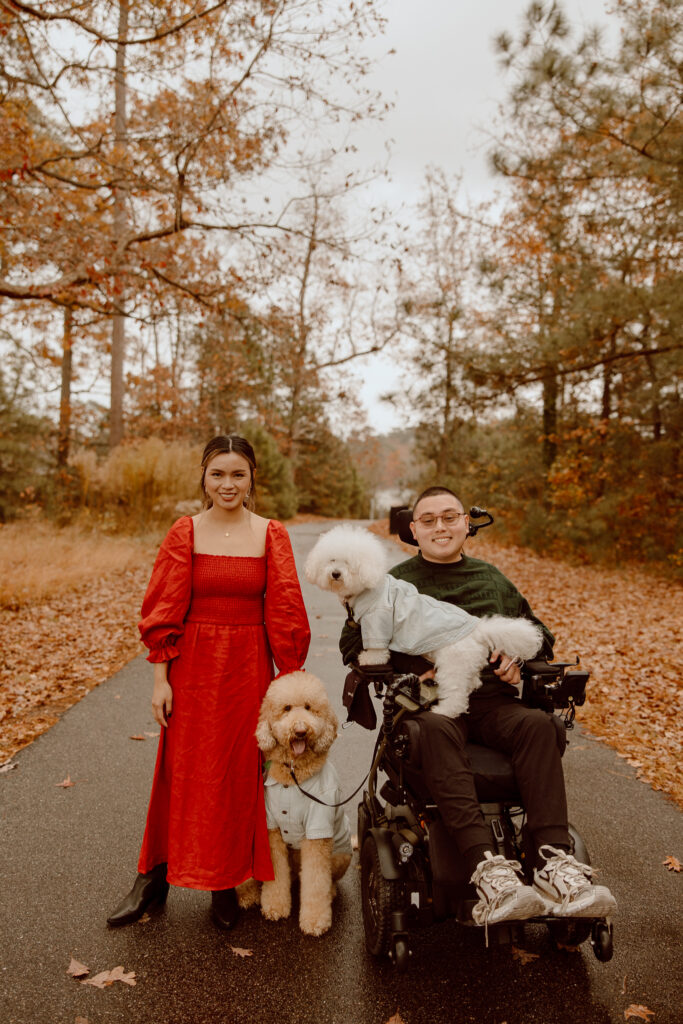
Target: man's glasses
x,y
448,518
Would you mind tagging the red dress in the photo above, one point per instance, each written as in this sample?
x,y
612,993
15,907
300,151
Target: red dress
x,y
219,620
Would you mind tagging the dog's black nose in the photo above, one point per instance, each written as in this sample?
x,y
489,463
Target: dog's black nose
x,y
335,574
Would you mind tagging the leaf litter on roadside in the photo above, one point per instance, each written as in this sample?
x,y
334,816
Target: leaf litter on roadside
x,y
672,863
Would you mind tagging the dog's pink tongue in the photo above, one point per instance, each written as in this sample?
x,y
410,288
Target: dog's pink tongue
x,y
298,747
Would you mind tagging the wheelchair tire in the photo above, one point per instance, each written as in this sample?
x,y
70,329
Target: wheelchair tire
x,y
569,933
603,945
380,897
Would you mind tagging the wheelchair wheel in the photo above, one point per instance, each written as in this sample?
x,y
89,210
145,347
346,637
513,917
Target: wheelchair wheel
x,y
569,933
603,946
380,898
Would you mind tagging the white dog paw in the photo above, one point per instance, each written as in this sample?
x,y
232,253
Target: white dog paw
x,y
315,922
373,657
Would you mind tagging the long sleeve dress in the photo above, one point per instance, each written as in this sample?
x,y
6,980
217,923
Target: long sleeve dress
x,y
220,621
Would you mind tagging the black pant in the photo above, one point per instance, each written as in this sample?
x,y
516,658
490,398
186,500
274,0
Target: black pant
x,y
527,735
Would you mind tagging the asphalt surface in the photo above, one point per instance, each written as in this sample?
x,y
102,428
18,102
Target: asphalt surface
x,y
67,855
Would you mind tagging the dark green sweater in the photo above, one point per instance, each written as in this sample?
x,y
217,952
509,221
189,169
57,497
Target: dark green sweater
x,y
475,586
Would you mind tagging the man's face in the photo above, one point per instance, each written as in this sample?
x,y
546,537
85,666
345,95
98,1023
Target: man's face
x,y
439,541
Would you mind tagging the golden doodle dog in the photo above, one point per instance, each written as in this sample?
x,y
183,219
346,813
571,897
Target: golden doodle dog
x,y
296,729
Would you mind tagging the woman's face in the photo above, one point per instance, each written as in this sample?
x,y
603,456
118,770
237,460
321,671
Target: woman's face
x,y
227,480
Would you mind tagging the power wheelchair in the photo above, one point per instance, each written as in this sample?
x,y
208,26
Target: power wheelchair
x,y
411,873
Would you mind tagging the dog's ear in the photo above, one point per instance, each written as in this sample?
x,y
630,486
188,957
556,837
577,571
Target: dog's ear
x,y
264,736
328,733
310,567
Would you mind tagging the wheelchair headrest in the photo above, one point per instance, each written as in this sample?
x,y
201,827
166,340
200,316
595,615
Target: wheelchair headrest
x,y
402,516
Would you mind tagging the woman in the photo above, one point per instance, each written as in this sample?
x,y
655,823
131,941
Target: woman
x,y
223,601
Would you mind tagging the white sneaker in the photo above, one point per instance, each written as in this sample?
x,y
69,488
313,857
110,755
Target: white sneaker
x,y
504,896
566,885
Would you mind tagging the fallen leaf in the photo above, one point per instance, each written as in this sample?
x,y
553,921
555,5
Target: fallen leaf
x,y
641,1012
242,952
144,919
568,949
7,766
118,974
152,734
76,969
106,978
100,980
396,1019
623,987
523,956
140,737
81,1020
65,784
672,863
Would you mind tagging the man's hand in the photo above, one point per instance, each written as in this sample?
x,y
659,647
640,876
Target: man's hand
x,y
509,671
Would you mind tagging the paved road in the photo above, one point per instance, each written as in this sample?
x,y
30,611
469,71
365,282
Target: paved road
x,y
67,855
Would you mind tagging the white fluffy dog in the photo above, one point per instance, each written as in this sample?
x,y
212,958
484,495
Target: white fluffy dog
x,y
393,615
296,728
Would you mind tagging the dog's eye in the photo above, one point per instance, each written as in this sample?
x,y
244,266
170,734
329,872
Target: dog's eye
x,y
308,707
287,707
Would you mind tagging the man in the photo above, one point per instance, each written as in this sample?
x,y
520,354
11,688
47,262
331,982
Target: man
x,y
499,720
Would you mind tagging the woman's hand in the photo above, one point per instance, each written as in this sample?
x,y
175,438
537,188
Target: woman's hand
x,y
509,670
162,694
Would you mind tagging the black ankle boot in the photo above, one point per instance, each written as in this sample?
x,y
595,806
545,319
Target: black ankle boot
x,y
224,908
148,889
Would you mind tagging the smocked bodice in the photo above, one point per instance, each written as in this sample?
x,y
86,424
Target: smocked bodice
x,y
228,590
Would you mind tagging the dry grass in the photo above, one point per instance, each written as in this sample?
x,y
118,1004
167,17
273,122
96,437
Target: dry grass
x,y
142,480
39,561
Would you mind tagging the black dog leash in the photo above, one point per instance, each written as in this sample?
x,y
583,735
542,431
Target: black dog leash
x,y
324,802
350,621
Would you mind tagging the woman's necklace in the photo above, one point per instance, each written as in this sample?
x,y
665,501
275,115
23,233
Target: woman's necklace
x,y
241,521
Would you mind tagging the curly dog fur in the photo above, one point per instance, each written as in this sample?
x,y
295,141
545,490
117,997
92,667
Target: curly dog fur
x,y
351,562
297,727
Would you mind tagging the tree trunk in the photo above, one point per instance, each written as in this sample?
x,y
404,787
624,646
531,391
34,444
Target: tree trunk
x,y
300,353
64,434
550,394
118,335
446,439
